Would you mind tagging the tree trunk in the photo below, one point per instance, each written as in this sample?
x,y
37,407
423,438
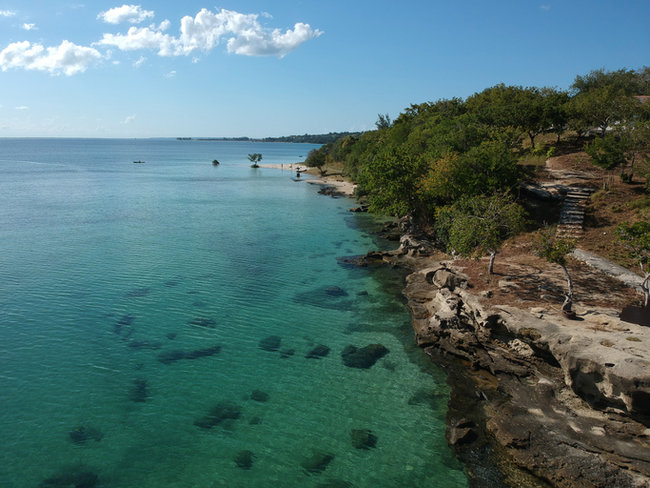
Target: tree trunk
x,y
646,290
491,265
532,140
568,298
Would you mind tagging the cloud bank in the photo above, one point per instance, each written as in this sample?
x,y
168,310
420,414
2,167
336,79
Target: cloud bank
x,y
241,33
67,58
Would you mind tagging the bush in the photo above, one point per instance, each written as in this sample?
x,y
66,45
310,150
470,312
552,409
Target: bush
x,y
552,151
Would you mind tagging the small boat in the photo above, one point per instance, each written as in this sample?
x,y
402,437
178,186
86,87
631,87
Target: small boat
x,y
138,162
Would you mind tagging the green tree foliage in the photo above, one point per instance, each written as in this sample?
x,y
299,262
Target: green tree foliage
x,y
316,158
608,151
629,82
383,121
636,239
484,169
255,158
390,180
531,110
555,250
477,225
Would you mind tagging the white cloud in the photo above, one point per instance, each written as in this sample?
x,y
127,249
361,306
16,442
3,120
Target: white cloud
x,y
275,43
546,8
29,27
7,13
169,75
133,14
141,38
139,62
129,119
67,58
203,32
22,107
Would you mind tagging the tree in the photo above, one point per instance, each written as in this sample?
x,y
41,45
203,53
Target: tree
x,y
390,179
555,250
607,151
255,158
482,170
474,226
636,239
316,158
383,121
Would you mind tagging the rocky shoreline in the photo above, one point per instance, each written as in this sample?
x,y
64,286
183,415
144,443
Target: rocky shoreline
x,y
537,400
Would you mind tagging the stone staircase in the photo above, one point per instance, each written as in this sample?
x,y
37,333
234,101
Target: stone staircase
x,y
572,214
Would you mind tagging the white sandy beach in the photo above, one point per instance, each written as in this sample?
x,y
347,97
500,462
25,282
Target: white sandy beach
x,y
344,187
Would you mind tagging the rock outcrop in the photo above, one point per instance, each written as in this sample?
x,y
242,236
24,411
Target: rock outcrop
x,y
568,401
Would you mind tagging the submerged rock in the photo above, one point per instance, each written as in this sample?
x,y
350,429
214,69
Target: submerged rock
x,y
203,322
287,353
220,412
71,477
169,357
363,358
271,343
259,396
363,438
139,391
320,351
138,292
335,291
317,463
83,434
124,321
244,459
154,345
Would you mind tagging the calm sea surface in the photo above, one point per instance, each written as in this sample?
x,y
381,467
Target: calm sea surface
x,y
133,302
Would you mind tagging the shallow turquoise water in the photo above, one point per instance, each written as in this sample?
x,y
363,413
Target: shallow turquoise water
x,y
107,267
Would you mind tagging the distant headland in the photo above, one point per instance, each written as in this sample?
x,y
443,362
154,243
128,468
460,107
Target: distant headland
x,y
305,138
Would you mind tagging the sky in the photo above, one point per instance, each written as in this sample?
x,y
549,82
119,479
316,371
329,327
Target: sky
x,y
257,68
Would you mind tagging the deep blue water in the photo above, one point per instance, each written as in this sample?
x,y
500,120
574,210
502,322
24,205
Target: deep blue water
x,y
133,301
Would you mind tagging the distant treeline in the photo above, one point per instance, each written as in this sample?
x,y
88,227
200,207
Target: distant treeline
x,y
306,138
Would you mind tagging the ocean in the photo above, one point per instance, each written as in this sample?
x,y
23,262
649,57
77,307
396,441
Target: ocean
x,y
179,324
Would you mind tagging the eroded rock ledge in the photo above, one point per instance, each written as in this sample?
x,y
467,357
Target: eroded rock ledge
x,y
568,401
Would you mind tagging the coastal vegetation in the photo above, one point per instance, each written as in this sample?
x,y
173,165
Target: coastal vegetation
x,y
455,166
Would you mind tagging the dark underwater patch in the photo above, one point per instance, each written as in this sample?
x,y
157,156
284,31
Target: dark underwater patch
x,y
219,413
317,463
244,459
270,343
320,351
169,357
364,357
84,433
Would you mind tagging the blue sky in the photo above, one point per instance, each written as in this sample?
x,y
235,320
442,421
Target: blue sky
x,y
76,68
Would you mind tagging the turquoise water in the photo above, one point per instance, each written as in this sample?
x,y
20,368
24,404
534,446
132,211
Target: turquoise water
x,y
134,299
